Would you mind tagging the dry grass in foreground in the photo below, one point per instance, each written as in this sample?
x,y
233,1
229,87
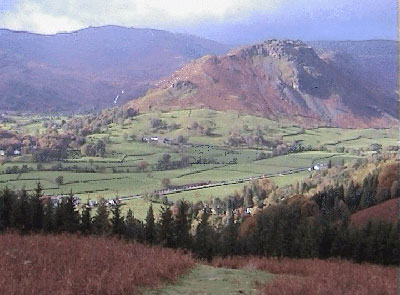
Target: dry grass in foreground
x,y
319,277
68,264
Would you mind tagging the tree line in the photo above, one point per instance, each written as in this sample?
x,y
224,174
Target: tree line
x,y
285,230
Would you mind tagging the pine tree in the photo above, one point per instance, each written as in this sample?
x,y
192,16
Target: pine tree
x,y
100,221
141,233
351,197
21,213
381,239
117,221
130,217
86,223
339,242
297,189
303,188
360,242
59,217
230,237
370,241
203,246
37,208
182,226
1,214
6,207
289,228
70,214
48,218
131,226
392,251
150,226
166,227
306,239
248,199
326,239
368,193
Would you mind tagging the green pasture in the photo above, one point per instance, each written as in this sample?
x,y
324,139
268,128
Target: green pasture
x,y
118,174
347,138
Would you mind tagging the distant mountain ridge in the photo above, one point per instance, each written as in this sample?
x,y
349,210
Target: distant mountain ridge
x,y
276,79
96,68
89,68
375,62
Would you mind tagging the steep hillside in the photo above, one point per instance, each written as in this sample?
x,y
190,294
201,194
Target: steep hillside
x,y
387,211
87,69
274,79
374,62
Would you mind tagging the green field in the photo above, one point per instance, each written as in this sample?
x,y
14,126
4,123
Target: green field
x,y
109,184
118,173
346,138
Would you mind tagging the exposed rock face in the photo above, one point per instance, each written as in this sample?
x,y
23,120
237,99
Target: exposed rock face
x,y
274,79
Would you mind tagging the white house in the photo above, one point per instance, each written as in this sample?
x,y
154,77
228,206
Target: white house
x,y
17,152
2,153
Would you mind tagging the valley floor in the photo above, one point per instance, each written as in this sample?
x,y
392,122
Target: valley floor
x,y
117,173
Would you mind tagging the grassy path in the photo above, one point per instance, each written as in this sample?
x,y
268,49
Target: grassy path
x,y
204,280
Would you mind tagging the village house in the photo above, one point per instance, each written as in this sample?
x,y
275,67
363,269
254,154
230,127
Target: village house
x,y
56,200
90,204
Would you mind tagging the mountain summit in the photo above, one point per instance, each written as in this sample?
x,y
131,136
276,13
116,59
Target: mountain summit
x,y
275,79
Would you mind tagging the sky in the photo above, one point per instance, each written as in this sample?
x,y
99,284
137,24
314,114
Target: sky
x,y
228,21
